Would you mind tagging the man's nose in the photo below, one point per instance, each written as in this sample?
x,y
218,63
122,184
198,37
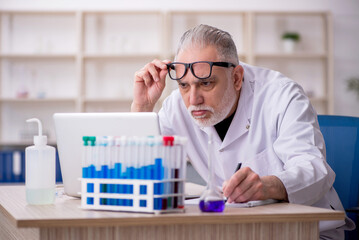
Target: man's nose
x,y
195,97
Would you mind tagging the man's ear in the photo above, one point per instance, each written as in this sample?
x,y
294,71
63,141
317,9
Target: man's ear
x,y
238,77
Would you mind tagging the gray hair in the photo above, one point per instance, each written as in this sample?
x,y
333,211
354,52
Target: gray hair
x,y
204,35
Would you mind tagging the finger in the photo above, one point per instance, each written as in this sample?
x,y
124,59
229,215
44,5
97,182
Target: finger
x,y
148,79
139,76
160,64
249,190
234,181
163,74
154,71
250,195
224,185
238,192
158,69
142,76
166,62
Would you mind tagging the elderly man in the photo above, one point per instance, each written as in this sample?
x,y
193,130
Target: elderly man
x,y
258,117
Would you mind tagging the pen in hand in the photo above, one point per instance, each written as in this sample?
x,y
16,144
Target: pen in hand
x,y
237,168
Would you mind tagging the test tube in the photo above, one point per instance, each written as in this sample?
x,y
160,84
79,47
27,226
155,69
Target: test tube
x,y
136,150
132,155
92,162
110,162
91,171
85,166
118,163
182,172
149,158
158,155
130,167
85,157
142,154
104,157
158,171
123,156
110,156
97,157
123,152
177,167
104,168
168,157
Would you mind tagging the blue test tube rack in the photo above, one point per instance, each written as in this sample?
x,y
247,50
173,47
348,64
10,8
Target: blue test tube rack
x,y
148,174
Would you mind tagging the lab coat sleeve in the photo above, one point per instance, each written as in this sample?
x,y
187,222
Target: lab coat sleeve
x,y
164,115
300,145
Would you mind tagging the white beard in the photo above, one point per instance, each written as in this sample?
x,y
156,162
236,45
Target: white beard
x,y
223,109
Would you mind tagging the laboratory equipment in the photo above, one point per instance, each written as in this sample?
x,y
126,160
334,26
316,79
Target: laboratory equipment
x,y
212,199
147,174
40,172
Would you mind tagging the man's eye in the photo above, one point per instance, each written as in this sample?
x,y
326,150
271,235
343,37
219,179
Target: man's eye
x,y
182,85
206,84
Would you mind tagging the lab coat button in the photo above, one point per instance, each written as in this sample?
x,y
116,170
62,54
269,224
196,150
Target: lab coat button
x,y
247,127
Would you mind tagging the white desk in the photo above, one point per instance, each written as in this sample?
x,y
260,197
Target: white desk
x,y
65,220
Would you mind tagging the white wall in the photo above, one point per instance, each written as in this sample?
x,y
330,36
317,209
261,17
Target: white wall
x,y
345,17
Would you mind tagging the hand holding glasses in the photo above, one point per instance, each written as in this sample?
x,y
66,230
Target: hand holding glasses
x,y
149,81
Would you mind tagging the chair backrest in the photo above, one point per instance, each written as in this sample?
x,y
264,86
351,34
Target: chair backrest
x,y
341,135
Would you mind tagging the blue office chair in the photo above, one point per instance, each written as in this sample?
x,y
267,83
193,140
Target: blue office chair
x,y
341,135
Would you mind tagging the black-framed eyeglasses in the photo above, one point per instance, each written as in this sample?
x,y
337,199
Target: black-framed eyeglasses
x,y
200,69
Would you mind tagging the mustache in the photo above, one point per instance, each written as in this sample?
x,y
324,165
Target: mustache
x,y
199,108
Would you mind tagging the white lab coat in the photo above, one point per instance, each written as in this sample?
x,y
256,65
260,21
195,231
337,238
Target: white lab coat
x,y
274,132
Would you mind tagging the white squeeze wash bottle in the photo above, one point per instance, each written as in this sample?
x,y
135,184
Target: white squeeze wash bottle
x,y
40,170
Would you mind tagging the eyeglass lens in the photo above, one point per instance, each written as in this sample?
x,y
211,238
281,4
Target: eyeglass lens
x,y
199,70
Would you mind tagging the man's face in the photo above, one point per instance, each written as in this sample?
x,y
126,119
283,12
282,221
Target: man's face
x,y
211,100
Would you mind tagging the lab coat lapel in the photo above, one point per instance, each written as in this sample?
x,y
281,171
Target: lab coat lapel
x,y
242,119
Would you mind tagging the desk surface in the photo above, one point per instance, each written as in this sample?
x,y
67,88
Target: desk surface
x,y
67,212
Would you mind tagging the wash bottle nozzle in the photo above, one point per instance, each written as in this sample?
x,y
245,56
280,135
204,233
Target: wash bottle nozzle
x,y
39,139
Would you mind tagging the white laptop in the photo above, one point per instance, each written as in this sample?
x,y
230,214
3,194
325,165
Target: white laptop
x,y
71,127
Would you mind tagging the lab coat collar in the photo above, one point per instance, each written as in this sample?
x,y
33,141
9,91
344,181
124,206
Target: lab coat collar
x,y
242,118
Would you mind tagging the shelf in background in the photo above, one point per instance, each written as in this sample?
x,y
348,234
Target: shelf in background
x,y
95,56
291,55
107,100
318,99
24,143
39,12
36,100
85,60
38,56
242,55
